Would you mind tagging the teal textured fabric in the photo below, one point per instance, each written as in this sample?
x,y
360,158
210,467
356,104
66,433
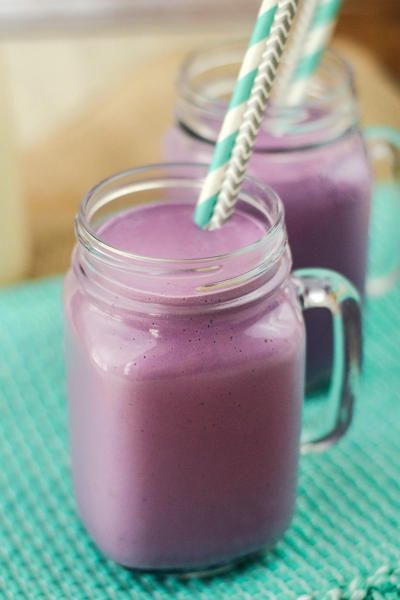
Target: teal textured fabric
x,y
344,541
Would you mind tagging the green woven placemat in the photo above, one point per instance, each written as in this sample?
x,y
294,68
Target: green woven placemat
x,y
344,542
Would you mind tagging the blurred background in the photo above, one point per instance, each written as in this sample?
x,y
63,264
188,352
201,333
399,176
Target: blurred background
x,y
88,90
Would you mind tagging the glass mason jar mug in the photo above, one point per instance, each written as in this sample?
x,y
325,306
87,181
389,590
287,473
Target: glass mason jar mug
x,y
312,154
185,377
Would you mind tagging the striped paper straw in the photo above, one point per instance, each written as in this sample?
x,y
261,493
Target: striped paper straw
x,y
317,39
220,192
301,27
236,110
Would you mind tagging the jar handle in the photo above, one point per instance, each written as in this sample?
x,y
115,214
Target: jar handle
x,y
384,150
321,288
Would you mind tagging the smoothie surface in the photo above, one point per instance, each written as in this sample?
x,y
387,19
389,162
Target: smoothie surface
x,y
167,230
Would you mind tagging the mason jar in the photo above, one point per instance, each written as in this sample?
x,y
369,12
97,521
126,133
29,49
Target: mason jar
x,y
186,374
312,154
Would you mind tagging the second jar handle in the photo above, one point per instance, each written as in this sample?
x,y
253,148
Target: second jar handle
x,y
384,150
321,288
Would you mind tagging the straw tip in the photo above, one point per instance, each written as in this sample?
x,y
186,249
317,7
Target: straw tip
x,y
198,219
204,212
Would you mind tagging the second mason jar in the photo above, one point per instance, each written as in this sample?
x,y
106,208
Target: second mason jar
x,y
313,155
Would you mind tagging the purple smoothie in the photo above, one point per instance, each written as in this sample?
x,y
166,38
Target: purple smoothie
x,y
184,426
312,154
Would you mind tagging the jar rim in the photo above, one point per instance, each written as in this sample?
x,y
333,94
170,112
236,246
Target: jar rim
x,y
116,186
328,111
215,106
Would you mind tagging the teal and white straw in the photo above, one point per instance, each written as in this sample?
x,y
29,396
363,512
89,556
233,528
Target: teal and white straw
x,y
245,112
255,112
316,40
236,110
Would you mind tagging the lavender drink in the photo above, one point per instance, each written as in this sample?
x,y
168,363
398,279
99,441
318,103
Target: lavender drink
x,y
187,414
313,156
185,370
